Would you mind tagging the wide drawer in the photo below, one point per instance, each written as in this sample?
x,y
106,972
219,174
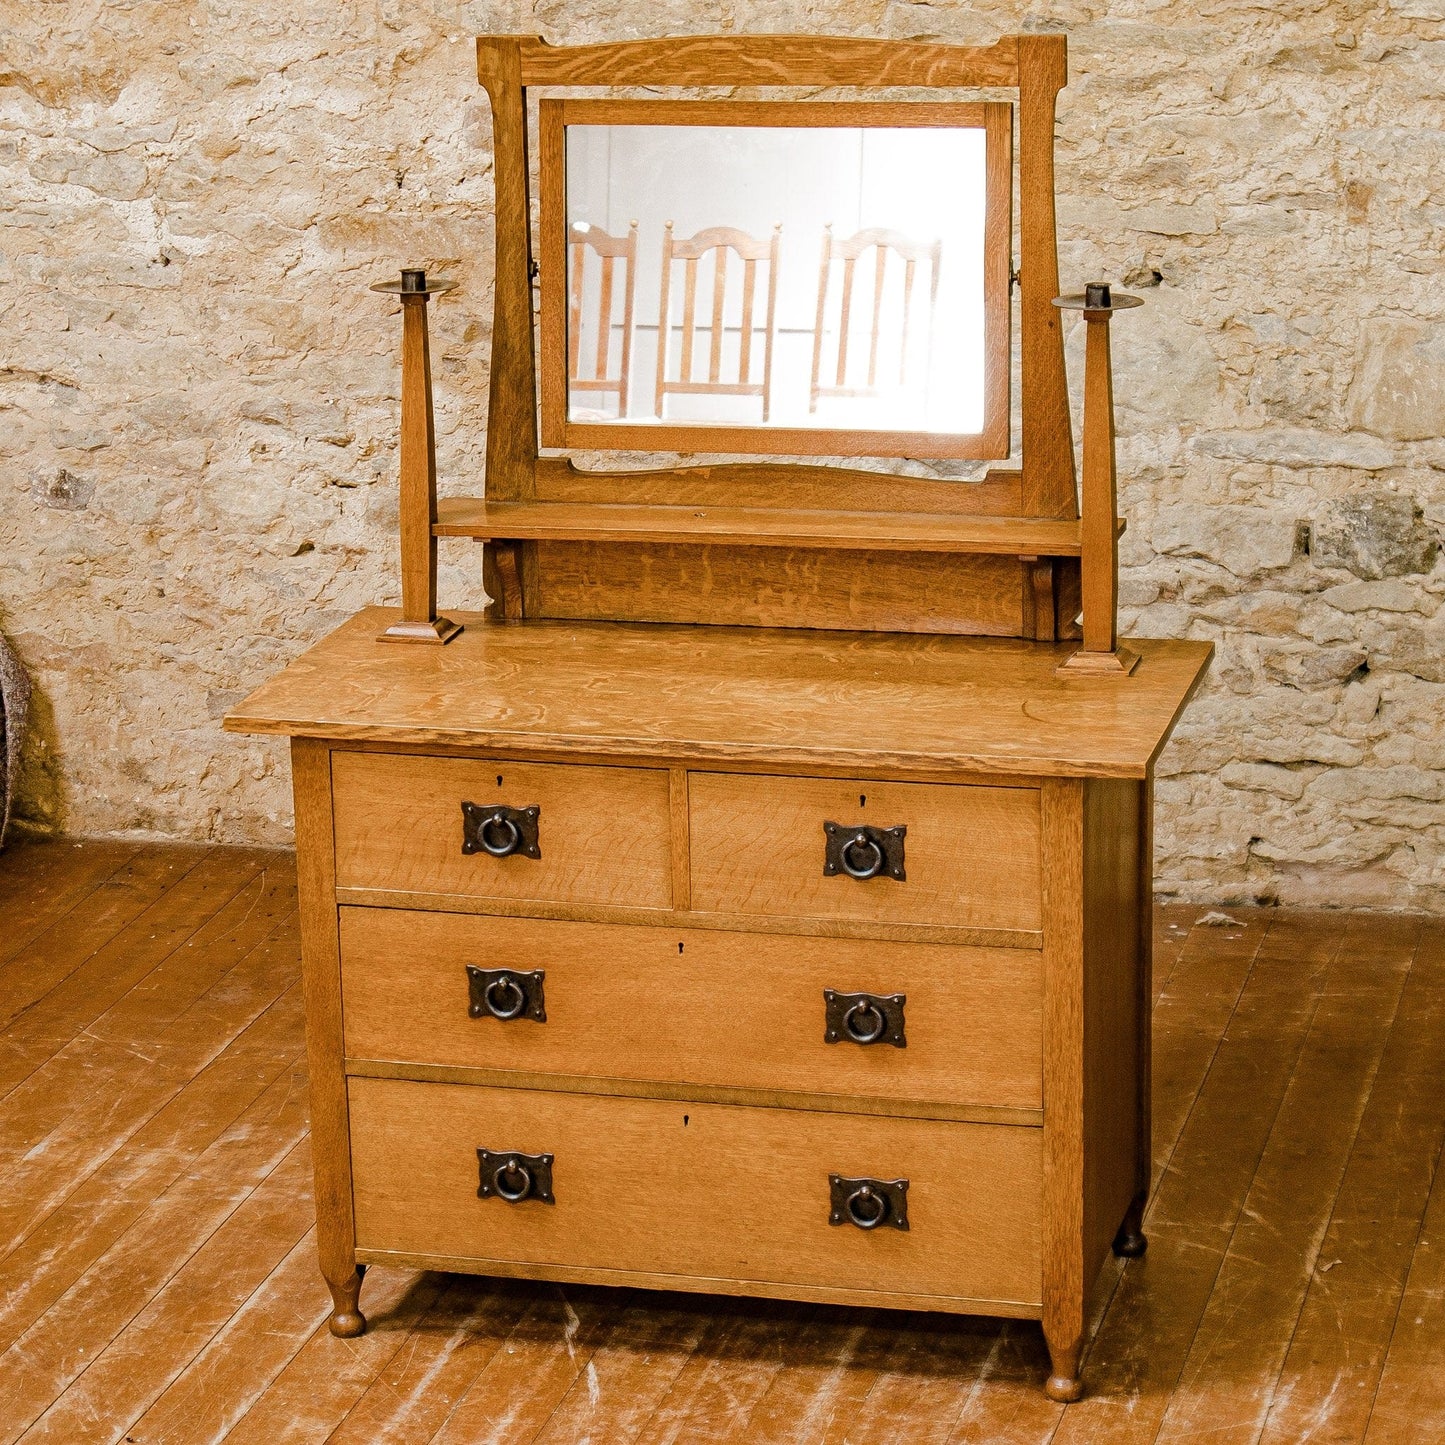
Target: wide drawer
x,y
603,833
695,1006
707,1191
971,853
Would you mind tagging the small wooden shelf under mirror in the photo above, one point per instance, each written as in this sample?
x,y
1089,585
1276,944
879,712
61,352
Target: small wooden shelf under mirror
x,y
757,527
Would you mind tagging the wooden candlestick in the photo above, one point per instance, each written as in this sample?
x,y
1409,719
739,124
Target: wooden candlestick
x,y
1099,520
418,513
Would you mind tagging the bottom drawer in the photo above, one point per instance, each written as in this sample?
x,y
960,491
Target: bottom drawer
x,y
702,1191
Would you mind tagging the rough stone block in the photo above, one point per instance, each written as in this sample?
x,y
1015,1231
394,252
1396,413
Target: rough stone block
x,y
1373,534
1296,447
1399,390
1245,540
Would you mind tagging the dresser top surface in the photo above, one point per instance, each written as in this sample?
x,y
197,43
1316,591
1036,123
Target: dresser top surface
x,y
788,697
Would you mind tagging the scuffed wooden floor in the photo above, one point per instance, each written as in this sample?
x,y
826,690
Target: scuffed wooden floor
x,y
157,1280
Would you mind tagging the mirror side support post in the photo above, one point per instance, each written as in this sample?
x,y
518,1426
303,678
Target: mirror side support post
x,y
418,482
512,443
1047,462
1099,522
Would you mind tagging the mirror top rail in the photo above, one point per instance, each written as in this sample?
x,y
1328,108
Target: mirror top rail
x,y
782,60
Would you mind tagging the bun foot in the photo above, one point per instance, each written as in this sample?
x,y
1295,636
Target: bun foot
x,y
1064,1388
1130,1243
347,1320
347,1324
1064,1384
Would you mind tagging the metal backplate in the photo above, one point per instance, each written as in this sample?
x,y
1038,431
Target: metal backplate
x,y
507,1175
868,1203
862,851
864,1018
501,831
507,994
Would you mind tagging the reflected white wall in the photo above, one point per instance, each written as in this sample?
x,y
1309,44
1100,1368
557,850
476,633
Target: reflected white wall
x,y
928,184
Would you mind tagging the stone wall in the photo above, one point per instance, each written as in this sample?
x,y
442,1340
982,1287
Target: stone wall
x,y
198,394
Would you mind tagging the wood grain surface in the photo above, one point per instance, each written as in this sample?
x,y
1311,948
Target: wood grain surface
x,y
778,587
788,485
806,60
786,696
971,853
757,527
164,1253
604,833
737,1009
637,1185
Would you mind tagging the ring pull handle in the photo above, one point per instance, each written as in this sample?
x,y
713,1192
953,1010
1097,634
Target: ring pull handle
x,y
513,1177
866,1207
864,1024
864,1018
499,836
500,831
513,1183
861,857
868,1203
507,994
864,851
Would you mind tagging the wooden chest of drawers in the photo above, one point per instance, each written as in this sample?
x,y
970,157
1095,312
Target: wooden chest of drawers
x,y
642,1026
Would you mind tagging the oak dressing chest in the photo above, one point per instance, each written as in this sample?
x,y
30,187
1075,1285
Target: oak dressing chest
x,y
756,899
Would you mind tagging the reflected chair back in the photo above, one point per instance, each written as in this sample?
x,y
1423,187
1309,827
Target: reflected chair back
x,y
596,319
716,244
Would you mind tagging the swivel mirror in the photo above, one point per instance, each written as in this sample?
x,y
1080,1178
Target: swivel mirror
x,y
790,278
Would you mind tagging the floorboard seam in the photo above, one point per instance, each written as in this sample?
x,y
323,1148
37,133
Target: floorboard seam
x,y
101,1160
1264,1147
1273,1387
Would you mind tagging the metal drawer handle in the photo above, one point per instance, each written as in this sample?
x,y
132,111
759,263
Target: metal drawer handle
x,y
500,836
514,1177
868,1203
500,831
506,994
866,1208
864,1018
861,857
864,1024
864,851
513,1183
500,989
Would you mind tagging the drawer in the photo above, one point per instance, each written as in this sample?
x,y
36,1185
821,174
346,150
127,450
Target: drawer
x,y
603,833
971,854
709,1191
695,1006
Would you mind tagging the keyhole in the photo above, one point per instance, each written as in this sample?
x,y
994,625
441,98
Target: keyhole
x,y
679,948
499,780
862,800
684,1121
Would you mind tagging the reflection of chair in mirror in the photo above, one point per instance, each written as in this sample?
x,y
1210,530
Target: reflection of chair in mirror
x,y
582,238
717,241
881,242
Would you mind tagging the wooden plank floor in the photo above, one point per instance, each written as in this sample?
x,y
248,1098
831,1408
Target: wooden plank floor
x,y
157,1272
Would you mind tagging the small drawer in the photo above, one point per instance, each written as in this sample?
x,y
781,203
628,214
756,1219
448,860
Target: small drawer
x,y
602,834
694,1006
969,856
702,1191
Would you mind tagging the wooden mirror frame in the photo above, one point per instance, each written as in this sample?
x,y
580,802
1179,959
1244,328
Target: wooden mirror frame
x,y
991,442
1034,65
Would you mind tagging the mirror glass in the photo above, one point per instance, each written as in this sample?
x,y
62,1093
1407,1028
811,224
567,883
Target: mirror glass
x,y
797,277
